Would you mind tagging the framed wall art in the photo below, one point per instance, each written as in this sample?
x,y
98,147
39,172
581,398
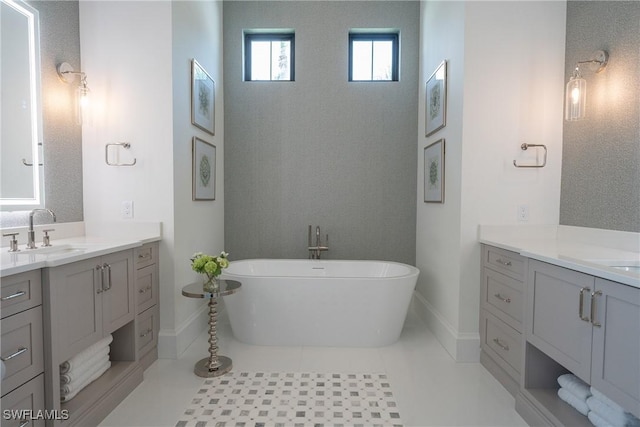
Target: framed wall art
x,y
434,172
203,98
436,100
204,170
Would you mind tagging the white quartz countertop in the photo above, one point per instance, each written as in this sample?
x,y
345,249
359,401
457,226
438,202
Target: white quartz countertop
x,y
68,249
611,255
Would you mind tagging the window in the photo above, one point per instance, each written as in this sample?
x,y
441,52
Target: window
x,y
268,57
373,56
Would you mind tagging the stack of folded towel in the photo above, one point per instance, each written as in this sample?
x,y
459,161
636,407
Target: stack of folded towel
x,y
575,392
84,368
605,412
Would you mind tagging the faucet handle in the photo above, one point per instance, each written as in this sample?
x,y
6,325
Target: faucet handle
x,y
13,243
46,239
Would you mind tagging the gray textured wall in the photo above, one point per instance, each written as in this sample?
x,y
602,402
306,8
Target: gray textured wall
x,y
321,150
59,42
601,154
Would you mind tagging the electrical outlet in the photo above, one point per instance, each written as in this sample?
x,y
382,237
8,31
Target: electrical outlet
x,y
523,213
126,209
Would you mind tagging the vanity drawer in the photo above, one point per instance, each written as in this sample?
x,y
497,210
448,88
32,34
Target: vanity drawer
x,y
20,292
507,262
503,297
147,292
502,342
22,347
146,255
30,397
147,330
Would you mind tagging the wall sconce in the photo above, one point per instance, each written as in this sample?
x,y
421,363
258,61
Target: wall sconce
x,y
68,75
576,93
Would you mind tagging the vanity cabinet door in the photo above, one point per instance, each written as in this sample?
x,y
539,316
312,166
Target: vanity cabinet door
x,y
554,322
90,299
76,299
616,344
118,296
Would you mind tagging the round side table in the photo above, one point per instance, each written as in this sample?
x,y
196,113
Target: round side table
x,y
214,365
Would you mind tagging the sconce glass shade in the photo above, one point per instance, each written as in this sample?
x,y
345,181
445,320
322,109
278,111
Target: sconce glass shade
x,y
67,74
576,98
82,104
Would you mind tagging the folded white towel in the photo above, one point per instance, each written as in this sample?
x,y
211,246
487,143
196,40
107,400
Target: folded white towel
x,y
86,369
80,380
575,385
85,354
577,403
613,416
597,420
95,376
600,396
97,357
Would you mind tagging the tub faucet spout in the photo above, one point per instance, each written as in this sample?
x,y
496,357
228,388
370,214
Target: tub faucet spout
x,y
315,251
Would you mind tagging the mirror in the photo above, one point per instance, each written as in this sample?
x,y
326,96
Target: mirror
x,y
21,184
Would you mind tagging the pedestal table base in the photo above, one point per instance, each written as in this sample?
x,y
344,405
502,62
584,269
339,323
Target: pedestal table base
x,y
202,367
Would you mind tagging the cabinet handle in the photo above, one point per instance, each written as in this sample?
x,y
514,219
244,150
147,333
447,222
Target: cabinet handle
x,y
581,305
147,332
499,344
142,291
24,423
500,261
12,296
16,354
108,267
593,308
144,256
100,288
500,297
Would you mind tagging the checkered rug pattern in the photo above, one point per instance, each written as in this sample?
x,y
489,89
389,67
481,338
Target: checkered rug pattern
x,y
278,399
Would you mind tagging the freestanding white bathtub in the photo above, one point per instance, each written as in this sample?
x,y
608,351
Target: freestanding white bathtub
x,y
319,303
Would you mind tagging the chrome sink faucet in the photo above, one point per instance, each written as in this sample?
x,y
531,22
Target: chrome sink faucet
x,y
31,234
315,251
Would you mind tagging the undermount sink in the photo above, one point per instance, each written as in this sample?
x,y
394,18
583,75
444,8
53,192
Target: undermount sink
x,y
630,268
628,265
52,250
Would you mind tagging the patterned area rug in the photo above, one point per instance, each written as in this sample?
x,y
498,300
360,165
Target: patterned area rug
x,y
270,399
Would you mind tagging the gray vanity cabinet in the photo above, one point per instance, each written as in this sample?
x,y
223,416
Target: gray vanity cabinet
x,y
587,325
616,344
90,299
86,301
556,324
148,310
21,346
501,311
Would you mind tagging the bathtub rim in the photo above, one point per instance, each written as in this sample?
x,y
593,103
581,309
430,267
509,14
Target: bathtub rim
x,y
413,271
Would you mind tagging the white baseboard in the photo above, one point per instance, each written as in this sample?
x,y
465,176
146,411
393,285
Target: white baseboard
x,y
173,342
462,346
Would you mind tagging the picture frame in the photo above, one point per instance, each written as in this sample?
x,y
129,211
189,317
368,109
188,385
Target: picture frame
x,y
436,100
203,98
204,169
434,157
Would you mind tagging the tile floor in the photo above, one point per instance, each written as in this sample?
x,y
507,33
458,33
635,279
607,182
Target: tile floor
x,y
297,399
431,389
